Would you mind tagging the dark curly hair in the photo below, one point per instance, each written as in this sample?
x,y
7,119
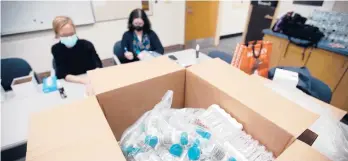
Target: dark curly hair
x,y
139,13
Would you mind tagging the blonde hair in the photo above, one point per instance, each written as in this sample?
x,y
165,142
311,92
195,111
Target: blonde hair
x,y
61,21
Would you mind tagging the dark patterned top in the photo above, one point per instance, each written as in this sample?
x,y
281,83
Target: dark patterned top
x,y
127,45
139,46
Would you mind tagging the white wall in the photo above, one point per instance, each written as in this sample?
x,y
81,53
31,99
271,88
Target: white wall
x,y
304,10
168,21
233,16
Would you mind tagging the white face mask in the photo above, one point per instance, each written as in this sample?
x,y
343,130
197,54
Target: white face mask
x,y
69,41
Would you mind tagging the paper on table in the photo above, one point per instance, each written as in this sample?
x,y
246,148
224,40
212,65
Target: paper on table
x,y
148,55
286,77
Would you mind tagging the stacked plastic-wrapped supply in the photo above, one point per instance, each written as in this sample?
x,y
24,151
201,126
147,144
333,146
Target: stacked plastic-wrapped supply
x,y
189,134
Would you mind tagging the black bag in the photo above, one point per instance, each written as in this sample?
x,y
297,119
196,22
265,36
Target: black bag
x,y
293,25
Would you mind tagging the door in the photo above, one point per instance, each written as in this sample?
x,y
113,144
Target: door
x,y
233,16
260,17
201,20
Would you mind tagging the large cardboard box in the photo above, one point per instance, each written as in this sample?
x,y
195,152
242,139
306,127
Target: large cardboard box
x,y
337,112
76,132
125,92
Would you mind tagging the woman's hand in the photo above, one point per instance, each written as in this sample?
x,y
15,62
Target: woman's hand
x,y
82,80
76,79
141,55
144,55
129,55
89,90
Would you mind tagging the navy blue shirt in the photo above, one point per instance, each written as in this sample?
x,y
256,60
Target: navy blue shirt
x,y
155,43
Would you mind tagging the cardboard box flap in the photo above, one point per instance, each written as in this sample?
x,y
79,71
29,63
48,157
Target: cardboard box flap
x,y
76,132
234,82
138,86
102,81
299,151
201,93
337,113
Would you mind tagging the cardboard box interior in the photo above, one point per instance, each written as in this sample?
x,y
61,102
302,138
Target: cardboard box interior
x,y
271,119
264,114
123,102
249,102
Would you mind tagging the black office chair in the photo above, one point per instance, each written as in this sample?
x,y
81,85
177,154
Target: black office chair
x,y
119,54
13,68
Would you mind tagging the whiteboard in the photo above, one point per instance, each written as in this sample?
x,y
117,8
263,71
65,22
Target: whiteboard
x,y
26,16
114,10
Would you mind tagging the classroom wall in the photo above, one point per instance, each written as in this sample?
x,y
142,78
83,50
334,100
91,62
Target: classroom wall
x,y
233,16
304,10
168,21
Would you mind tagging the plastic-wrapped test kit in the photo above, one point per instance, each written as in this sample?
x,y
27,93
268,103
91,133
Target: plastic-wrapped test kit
x,y
187,134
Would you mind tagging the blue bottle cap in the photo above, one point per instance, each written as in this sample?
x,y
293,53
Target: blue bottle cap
x,y
194,153
232,159
147,139
196,142
151,140
176,150
203,133
127,149
184,138
134,151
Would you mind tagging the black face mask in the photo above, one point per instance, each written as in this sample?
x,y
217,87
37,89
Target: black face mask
x,y
138,28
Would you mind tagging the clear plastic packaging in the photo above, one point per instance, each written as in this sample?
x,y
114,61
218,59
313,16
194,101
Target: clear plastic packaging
x,y
220,122
189,134
236,143
148,55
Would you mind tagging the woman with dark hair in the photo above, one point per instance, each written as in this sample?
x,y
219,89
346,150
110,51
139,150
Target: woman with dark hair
x,y
139,38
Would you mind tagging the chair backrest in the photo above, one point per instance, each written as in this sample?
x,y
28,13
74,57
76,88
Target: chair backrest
x,y
13,68
118,52
118,48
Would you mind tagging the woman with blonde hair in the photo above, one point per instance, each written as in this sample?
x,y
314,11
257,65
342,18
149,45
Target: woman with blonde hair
x,y
72,56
